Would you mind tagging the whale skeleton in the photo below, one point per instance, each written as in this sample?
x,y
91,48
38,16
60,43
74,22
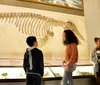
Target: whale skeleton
x,y
37,25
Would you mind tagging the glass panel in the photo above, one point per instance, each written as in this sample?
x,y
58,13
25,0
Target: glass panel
x,y
58,71
80,71
83,70
18,73
47,73
12,73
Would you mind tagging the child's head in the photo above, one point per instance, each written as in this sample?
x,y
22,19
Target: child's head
x,y
97,41
32,41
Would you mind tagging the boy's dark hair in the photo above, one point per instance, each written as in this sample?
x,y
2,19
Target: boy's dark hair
x,y
70,37
96,39
30,40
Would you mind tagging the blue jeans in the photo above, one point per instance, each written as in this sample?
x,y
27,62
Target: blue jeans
x,y
67,77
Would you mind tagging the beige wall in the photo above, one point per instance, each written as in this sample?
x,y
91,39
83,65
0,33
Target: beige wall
x,y
92,17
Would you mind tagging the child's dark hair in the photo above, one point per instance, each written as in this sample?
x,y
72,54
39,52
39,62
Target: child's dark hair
x,y
70,37
96,39
30,40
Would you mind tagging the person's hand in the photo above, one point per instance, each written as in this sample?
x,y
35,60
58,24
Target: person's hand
x,y
66,68
63,62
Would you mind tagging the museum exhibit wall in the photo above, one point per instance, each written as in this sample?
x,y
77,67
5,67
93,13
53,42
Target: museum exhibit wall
x,y
13,38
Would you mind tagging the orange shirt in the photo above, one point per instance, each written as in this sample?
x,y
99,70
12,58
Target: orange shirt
x,y
71,54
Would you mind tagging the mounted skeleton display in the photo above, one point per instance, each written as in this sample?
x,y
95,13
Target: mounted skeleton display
x,y
37,25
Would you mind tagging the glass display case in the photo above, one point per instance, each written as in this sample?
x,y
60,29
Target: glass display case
x,y
18,73
80,71
12,73
58,71
83,71
49,72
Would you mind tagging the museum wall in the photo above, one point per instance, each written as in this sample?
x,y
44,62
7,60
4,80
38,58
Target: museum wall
x,y
13,34
92,18
59,11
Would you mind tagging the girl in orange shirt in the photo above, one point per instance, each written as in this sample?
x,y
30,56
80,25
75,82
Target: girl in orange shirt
x,y
71,56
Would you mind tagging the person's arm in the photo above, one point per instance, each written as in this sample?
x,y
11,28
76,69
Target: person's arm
x,y
74,55
24,61
42,64
66,55
93,58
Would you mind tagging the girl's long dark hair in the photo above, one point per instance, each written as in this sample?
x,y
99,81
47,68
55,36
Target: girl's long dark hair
x,y
70,37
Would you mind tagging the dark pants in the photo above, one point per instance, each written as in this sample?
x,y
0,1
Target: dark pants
x,y
98,76
33,79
